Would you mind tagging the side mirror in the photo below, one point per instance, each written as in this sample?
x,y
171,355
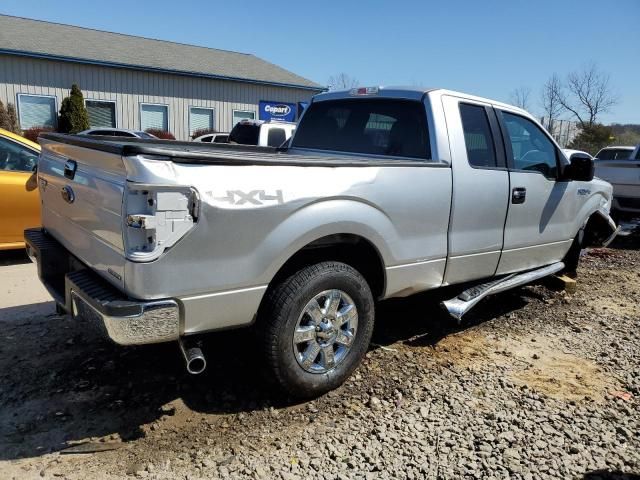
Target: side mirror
x,y
580,168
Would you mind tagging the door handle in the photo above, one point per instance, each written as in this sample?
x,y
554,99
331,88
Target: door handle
x,y
518,195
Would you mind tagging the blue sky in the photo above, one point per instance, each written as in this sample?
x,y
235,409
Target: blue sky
x,y
482,47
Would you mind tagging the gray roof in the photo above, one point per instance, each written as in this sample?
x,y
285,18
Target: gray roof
x,y
23,36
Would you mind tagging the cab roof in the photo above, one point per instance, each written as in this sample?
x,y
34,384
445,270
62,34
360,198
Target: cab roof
x,y
407,93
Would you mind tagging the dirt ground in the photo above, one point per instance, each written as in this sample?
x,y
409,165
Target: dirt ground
x,y
73,405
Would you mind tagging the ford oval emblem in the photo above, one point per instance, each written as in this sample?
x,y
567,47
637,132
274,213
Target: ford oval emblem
x,y
67,194
278,110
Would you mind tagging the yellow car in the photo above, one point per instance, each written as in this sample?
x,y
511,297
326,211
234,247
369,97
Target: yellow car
x,y
18,189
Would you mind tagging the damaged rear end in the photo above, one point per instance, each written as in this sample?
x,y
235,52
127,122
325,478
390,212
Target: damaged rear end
x,y
99,227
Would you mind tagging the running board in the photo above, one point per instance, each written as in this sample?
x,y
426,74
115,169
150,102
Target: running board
x,y
464,302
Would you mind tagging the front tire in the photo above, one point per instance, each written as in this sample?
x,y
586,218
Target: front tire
x,y
316,326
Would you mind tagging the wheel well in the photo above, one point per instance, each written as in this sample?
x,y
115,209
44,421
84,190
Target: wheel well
x,y
351,249
597,230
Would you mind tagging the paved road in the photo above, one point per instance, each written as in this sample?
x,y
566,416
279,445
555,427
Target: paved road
x,y
21,293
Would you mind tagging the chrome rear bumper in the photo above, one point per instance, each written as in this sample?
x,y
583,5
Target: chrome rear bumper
x,y
87,297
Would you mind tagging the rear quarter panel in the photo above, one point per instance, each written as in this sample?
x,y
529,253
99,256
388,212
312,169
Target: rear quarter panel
x,y
254,218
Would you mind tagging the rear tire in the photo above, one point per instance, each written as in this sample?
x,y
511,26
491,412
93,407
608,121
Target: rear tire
x,y
316,326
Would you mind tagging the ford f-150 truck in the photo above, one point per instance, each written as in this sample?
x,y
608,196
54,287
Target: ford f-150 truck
x,y
381,192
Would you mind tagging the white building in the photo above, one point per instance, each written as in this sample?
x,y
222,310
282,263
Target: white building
x,y
138,83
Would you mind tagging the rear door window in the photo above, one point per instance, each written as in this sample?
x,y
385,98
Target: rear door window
x,y
372,126
481,151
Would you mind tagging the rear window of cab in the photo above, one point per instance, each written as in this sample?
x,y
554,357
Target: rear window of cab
x,y
384,127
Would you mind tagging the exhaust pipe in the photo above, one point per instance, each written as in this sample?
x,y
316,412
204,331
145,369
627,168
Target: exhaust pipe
x,y
193,357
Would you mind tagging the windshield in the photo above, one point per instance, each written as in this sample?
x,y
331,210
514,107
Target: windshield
x,y
372,126
614,154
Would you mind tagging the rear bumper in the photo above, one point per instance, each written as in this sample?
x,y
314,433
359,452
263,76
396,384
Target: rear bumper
x,y
88,297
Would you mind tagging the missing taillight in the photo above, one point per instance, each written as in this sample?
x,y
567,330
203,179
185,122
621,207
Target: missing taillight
x,y
156,217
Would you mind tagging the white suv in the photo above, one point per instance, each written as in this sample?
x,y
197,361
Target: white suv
x,y
262,133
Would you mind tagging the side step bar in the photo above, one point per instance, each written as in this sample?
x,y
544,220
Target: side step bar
x,y
464,302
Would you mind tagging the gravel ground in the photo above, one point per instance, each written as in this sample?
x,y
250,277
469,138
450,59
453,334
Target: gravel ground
x,y
536,383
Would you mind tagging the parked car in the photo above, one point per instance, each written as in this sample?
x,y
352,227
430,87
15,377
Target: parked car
x,y
620,167
213,138
117,132
383,192
262,133
20,199
614,153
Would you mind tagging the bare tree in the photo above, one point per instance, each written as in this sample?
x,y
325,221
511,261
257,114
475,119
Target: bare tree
x,y
588,94
520,97
550,100
342,81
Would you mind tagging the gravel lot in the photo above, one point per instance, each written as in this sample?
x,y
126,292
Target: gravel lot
x,y
536,383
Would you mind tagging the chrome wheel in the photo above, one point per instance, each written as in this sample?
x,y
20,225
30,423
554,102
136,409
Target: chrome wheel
x,y
325,331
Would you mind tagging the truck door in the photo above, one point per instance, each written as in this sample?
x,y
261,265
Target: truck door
x,y
480,190
542,208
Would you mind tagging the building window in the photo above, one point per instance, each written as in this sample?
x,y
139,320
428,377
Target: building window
x,y
239,115
154,116
200,119
37,111
102,113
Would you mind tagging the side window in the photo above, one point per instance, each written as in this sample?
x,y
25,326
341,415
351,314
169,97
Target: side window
x,y
16,157
276,137
481,151
531,148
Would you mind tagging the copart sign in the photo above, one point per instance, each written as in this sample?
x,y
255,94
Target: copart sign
x,y
285,112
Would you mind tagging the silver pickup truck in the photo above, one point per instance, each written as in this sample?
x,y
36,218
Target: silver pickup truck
x,y
382,192
620,166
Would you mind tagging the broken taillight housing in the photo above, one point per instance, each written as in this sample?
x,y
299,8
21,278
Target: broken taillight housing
x,y
156,217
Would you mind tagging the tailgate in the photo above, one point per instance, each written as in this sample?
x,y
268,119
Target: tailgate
x,y
82,206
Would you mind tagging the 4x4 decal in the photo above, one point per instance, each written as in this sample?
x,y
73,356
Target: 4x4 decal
x,y
254,197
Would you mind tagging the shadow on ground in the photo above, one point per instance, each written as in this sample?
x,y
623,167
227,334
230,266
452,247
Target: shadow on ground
x,y
60,382
13,257
610,475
